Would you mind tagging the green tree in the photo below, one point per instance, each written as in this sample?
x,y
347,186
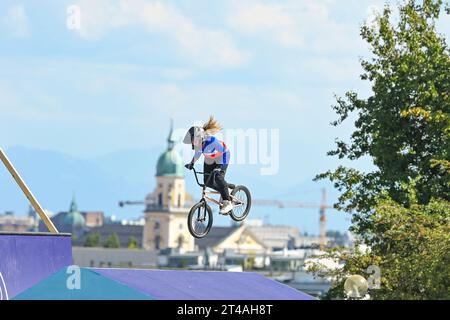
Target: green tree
x,y
401,209
249,263
132,243
92,240
411,248
112,241
404,125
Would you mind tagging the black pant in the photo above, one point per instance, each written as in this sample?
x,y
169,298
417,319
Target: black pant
x,y
217,182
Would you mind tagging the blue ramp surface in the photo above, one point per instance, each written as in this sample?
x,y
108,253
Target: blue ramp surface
x,y
137,284
28,258
92,286
203,285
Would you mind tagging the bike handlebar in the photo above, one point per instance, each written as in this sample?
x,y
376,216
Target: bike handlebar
x,y
196,177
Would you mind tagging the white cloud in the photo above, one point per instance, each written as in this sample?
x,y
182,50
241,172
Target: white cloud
x,y
118,95
207,47
306,24
16,21
274,20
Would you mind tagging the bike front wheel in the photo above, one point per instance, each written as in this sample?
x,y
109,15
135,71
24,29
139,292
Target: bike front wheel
x,y
200,219
242,202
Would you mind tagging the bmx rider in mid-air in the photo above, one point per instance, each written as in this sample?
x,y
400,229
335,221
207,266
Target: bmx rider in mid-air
x,y
217,157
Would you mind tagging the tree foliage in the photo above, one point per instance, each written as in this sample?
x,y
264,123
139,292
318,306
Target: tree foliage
x,y
411,248
132,243
92,240
112,241
401,209
404,126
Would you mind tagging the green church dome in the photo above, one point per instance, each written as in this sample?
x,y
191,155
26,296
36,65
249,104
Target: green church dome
x,y
74,217
170,162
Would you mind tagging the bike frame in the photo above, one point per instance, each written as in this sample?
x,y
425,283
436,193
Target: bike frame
x,y
206,192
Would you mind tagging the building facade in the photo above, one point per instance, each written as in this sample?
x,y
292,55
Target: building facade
x,y
166,207
72,221
114,257
12,223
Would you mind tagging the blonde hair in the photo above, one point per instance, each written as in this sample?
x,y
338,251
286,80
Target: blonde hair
x,y
212,126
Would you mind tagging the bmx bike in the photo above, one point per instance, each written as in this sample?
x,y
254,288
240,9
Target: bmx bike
x,y
200,217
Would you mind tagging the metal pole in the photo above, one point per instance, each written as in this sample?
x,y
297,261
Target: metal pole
x,y
51,227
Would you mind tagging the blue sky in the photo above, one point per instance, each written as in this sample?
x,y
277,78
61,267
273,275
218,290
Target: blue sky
x,y
113,84
116,82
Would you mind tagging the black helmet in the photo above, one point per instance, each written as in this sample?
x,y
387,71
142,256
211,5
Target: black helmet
x,y
193,132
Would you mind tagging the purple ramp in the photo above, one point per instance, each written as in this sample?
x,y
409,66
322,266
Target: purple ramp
x,y
27,258
203,285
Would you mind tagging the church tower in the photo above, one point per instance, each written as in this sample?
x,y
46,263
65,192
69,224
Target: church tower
x,y
166,214
170,186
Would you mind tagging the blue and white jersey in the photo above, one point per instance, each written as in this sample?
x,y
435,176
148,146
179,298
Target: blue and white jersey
x,y
214,150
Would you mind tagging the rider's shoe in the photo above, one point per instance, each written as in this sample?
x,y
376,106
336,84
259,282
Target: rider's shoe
x,y
227,206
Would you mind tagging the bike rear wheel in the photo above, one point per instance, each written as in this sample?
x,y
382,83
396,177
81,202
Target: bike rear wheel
x,y
200,219
242,201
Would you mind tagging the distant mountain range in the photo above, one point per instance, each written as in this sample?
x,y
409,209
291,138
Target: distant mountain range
x,y
99,183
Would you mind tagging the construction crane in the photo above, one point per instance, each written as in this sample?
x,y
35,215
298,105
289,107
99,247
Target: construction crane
x,y
132,203
297,204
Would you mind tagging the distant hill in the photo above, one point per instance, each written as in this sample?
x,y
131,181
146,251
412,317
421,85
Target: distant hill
x,y
99,183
